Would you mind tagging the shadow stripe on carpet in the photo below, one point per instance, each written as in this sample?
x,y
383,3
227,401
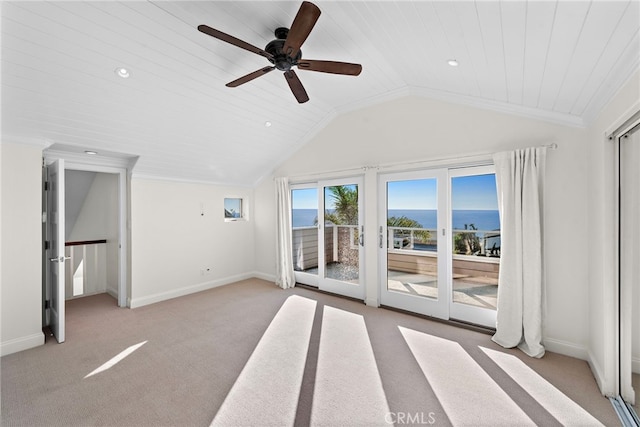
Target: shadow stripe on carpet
x,y
268,387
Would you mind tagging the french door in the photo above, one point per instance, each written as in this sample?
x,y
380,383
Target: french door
x,y
413,242
327,235
440,243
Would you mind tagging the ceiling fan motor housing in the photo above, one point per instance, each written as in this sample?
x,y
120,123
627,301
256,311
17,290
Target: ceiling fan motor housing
x,y
281,60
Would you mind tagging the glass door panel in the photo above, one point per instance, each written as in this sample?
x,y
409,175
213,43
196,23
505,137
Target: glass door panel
x,y
413,270
304,223
341,238
475,234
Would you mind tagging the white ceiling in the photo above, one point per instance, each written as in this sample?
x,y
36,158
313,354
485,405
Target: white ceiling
x,y
555,60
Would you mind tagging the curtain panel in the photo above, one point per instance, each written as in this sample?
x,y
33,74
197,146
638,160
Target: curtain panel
x,y
520,182
285,277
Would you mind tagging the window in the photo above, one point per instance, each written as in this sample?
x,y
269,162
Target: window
x,y
234,209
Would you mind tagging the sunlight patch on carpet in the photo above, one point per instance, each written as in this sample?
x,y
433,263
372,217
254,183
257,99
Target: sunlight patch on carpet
x,y
553,400
116,359
268,388
348,389
467,393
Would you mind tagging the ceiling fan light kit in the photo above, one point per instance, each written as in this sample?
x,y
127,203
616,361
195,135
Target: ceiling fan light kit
x,y
285,54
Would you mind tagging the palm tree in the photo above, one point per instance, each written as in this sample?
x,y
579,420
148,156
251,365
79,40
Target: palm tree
x,y
405,222
345,202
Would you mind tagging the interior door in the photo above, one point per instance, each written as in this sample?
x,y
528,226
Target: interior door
x,y
55,254
341,237
413,242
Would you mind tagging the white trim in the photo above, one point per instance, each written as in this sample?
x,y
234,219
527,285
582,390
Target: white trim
x,y
174,293
459,99
111,166
392,95
596,370
604,95
136,175
264,276
85,159
567,348
21,140
624,117
502,107
22,343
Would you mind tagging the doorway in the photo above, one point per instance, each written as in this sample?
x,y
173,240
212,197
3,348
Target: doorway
x,y
440,243
84,236
328,237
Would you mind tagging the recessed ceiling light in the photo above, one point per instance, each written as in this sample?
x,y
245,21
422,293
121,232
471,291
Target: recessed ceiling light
x,y
452,62
267,124
91,153
122,72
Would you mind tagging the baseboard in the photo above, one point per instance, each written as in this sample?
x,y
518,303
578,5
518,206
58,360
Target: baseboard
x,y
635,365
163,296
566,348
264,276
113,292
23,343
596,370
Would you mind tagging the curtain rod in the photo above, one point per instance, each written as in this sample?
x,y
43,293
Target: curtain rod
x,y
480,159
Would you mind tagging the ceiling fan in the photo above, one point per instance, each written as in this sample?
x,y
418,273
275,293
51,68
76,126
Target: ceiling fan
x,y
284,52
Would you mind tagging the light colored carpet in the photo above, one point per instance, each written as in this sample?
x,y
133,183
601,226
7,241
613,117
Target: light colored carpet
x,y
459,382
270,382
553,400
205,348
348,389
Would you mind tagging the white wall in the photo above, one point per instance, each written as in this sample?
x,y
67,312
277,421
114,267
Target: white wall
x,y
97,220
411,129
21,242
601,221
171,242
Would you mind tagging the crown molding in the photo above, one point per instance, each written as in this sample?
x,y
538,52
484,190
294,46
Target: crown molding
x,y
501,107
41,143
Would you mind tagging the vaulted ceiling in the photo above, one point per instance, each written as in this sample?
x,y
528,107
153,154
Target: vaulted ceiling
x,y
553,60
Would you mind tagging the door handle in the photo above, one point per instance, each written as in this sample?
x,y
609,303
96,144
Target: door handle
x,y
59,259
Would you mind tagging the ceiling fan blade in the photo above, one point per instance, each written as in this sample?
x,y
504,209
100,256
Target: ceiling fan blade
x,y
250,76
296,86
233,40
332,67
302,25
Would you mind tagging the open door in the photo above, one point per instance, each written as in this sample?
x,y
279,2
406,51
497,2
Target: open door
x,y
55,285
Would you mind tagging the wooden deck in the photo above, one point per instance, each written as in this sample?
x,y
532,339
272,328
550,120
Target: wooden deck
x,y
482,270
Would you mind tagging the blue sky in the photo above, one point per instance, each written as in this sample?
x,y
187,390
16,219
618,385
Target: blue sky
x,y
467,192
305,198
477,192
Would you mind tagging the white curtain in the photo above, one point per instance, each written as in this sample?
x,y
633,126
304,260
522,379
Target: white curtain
x,y
284,260
520,179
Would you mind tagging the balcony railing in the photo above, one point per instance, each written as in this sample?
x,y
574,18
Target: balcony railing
x,y
465,242
341,245
86,269
410,248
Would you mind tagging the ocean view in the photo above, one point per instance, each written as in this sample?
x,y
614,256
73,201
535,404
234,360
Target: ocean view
x,y
481,219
